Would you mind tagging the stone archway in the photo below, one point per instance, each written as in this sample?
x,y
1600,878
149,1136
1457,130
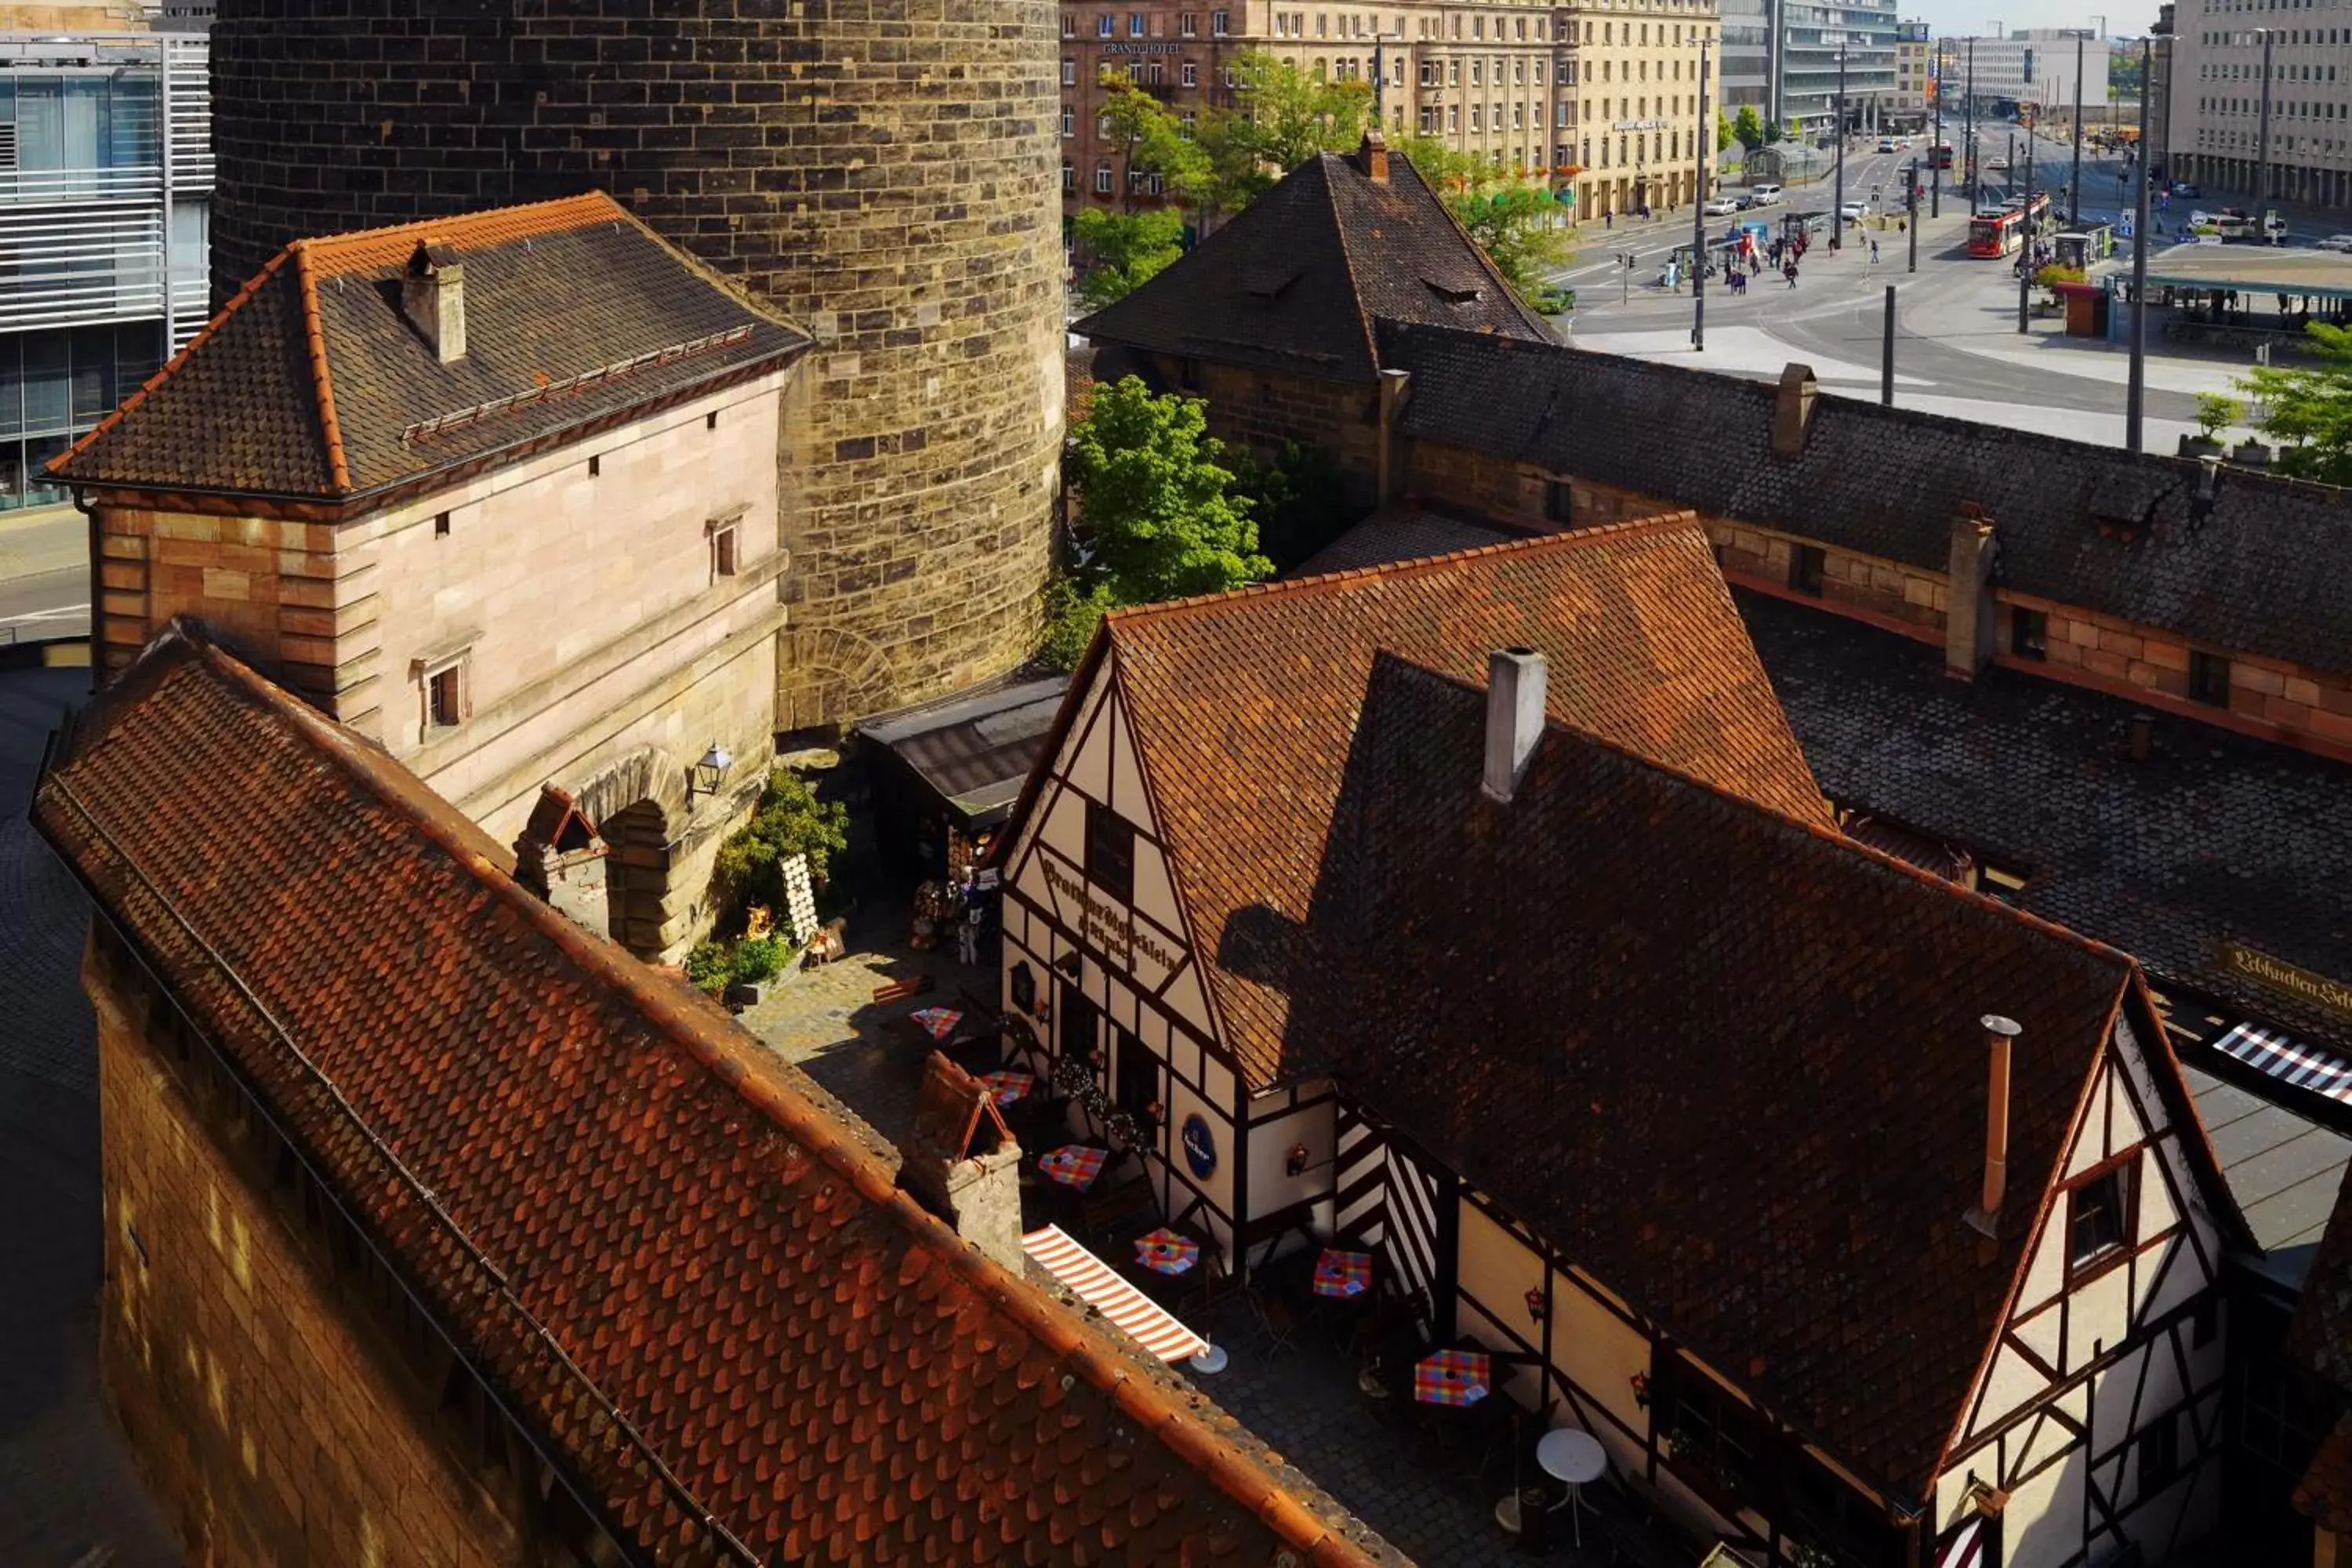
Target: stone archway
x,y
634,803
827,675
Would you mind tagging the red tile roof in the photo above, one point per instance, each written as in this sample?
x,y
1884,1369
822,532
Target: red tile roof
x,y
310,383
1727,1062
1645,651
825,1367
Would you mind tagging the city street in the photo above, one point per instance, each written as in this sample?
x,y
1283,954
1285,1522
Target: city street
x,y
1957,350
44,574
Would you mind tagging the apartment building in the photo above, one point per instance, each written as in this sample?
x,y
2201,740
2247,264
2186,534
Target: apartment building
x,y
1915,76
1832,55
1603,95
2223,51
104,203
2035,66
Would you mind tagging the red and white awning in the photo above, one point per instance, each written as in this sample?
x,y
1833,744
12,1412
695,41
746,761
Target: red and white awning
x,y
2290,1061
1144,1319
1963,1548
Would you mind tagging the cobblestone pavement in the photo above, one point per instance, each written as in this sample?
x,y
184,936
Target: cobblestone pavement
x,y
69,1497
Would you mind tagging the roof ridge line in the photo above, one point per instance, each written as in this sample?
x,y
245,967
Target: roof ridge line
x,y
1325,581
219,318
1527,314
314,331
355,237
800,1119
1331,210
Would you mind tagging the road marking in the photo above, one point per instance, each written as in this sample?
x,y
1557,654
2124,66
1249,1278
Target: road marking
x,y
56,614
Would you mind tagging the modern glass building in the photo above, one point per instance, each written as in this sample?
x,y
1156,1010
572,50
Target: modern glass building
x,y
1748,56
1812,35
106,179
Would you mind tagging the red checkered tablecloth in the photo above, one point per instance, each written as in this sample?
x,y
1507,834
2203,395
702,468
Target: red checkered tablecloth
x,y
1165,1252
935,1022
1074,1165
1341,1273
1452,1377
1004,1087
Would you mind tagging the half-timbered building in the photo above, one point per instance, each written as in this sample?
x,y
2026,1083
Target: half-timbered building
x,y
1480,910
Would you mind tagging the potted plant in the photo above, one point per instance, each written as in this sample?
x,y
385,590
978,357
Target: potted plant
x,y
2215,413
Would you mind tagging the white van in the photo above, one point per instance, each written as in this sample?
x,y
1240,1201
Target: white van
x,y
1763,196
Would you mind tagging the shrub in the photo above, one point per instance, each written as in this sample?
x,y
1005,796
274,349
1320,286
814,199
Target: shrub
x,y
2215,411
1299,498
790,820
706,967
756,958
1072,614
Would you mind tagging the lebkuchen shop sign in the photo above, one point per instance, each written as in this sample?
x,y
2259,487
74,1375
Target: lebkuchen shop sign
x,y
2317,990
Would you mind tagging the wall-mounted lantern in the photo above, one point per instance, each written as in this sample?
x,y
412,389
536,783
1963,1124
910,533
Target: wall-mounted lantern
x,y
710,773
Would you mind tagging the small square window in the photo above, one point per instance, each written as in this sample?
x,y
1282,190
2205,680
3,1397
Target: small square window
x,y
1111,850
444,696
722,550
2029,633
710,420
1805,564
595,467
2208,679
441,525
2098,1217
1559,501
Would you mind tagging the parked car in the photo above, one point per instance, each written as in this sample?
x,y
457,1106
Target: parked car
x,y
2337,242
1763,196
1719,207
1854,212
1887,144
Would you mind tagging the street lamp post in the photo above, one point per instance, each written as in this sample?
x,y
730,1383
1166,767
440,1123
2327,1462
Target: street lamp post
x,y
2074,182
1935,167
2135,392
1837,221
2025,268
2262,170
1705,145
1968,125
1911,207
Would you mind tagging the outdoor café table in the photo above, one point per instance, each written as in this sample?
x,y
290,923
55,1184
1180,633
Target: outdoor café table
x,y
1004,1087
1568,1454
1341,1274
1165,1251
937,1022
1455,1378
1074,1165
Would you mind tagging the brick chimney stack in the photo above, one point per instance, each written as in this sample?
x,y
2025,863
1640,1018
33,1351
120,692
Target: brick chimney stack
x,y
962,1164
2000,1035
1971,618
1792,410
1372,157
433,298
1516,682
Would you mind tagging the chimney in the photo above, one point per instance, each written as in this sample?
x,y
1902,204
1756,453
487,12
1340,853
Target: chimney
x,y
1395,383
1372,157
977,1190
2000,1032
1515,717
433,298
1792,410
1971,619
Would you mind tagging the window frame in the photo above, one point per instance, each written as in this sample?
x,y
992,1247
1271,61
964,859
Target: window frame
x,y
456,669
2208,677
2029,633
2120,1174
1808,569
1111,851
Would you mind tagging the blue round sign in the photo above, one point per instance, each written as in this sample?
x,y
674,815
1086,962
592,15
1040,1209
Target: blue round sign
x,y
1200,1147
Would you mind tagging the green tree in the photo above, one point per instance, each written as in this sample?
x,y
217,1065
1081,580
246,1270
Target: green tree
x,y
1282,117
1152,141
2307,409
1514,221
1125,250
1158,517
1299,501
790,820
1725,131
1748,128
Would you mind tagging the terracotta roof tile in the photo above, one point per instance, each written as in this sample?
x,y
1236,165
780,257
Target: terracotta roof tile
x,y
827,1370
1645,651
1297,278
1632,962
309,382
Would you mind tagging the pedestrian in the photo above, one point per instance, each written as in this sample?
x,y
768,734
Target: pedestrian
x,y
1790,272
1873,253
1609,218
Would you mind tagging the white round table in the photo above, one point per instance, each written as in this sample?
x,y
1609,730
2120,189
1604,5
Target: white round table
x,y
1575,1458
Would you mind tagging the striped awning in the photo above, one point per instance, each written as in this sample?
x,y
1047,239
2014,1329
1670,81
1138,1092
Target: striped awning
x,y
2290,1061
1144,1319
1963,1548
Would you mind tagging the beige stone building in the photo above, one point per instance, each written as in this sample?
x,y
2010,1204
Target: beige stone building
x,y
499,493
1600,96
2215,134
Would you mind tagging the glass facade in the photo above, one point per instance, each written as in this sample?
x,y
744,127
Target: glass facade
x,y
104,232
1748,56
1812,36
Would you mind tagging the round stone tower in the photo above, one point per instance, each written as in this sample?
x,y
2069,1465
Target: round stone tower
x,y
883,173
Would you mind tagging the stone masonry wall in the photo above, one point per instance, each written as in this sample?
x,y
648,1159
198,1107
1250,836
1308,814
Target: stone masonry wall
x,y
273,1429
1258,410
884,174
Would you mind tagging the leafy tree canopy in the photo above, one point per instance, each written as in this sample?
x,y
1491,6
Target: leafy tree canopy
x,y
1514,220
790,820
1282,117
2307,409
1125,250
1153,139
1158,516
1748,128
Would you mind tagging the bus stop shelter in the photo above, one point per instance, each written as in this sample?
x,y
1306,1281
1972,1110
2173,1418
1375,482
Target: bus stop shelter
x,y
2243,296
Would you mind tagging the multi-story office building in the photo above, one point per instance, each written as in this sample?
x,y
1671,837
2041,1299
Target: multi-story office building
x,y
2034,68
2220,113
1915,77
105,181
1747,74
1601,95
2156,135
1814,36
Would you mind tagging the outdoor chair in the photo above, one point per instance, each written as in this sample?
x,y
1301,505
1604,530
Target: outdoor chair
x,y
1277,1324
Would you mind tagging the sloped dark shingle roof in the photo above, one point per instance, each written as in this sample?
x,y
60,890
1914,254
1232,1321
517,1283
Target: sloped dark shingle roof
x,y
2321,1335
1645,650
1295,280
307,383
828,1370
1571,998
2269,572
